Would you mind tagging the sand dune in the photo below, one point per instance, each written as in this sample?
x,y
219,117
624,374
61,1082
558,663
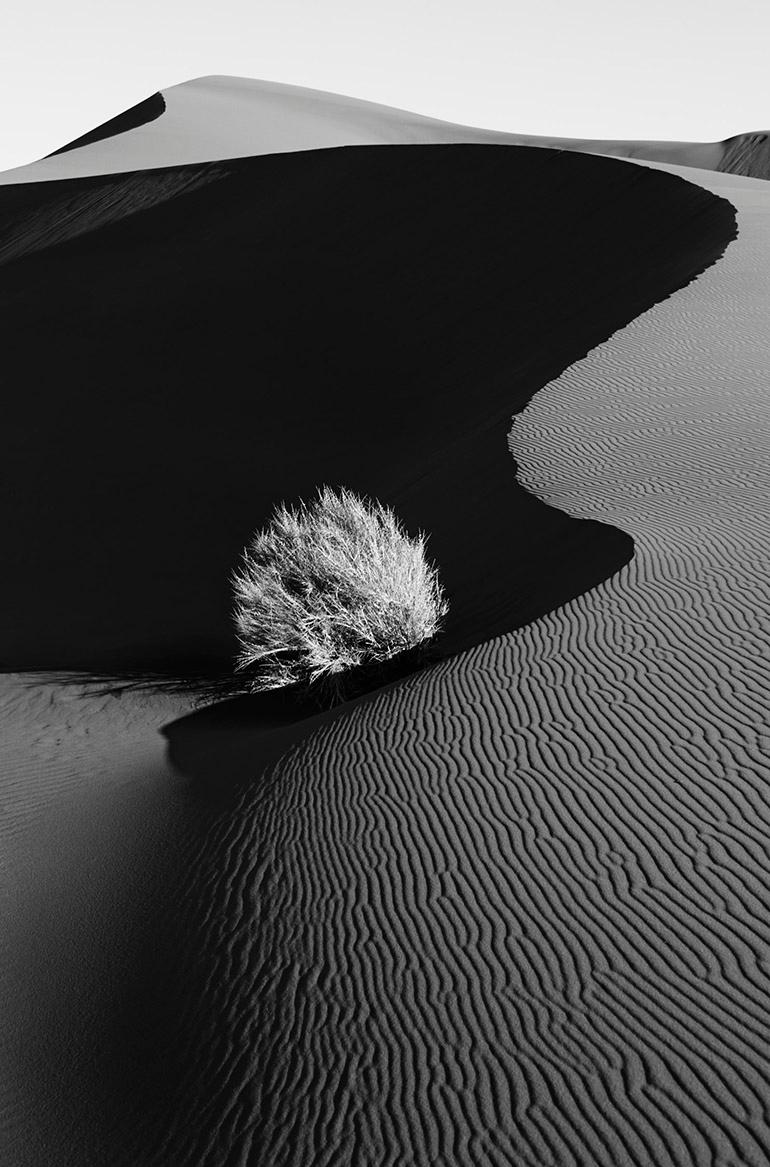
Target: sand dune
x,y
138,115
377,335
531,925
219,118
747,154
514,909
581,925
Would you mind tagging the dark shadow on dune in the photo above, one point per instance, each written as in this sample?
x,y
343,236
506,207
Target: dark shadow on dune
x,y
109,955
120,936
138,115
284,705
336,939
201,687
368,317
233,739
229,742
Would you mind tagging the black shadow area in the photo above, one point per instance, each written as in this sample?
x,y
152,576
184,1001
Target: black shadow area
x,y
138,115
365,316
224,745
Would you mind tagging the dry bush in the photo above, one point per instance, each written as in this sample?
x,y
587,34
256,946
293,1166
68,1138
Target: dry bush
x,y
331,587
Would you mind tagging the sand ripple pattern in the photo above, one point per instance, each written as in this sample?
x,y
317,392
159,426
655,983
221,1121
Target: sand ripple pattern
x,y
665,430
517,910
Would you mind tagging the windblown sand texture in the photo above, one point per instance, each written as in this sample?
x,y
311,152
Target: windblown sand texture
x,y
514,909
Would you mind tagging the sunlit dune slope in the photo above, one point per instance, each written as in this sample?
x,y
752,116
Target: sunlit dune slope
x,y
219,118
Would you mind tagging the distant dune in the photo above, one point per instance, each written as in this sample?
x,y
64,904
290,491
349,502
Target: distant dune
x,y
219,118
514,909
747,154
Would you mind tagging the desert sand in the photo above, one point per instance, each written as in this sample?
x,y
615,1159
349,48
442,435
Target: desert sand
x,y
211,119
512,909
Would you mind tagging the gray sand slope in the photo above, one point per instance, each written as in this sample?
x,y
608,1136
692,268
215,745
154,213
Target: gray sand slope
x,y
512,911
215,118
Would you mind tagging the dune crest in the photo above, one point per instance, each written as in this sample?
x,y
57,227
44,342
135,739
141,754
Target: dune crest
x,y
138,115
268,342
217,118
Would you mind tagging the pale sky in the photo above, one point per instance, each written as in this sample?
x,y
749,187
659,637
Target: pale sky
x,y
677,69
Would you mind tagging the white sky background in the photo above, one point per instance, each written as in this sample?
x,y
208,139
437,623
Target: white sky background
x,y
678,69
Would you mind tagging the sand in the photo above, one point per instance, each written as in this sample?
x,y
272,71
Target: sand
x,y
377,335
218,118
514,908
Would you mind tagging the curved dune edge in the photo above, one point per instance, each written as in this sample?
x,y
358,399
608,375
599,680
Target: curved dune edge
x,y
475,920
404,278
220,118
672,660
516,910
138,115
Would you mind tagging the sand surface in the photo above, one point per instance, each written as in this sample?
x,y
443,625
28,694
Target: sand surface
x,y
224,337
217,118
512,910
